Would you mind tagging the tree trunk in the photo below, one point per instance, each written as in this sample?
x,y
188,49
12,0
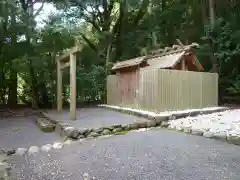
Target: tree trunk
x,y
30,37
3,88
212,23
12,92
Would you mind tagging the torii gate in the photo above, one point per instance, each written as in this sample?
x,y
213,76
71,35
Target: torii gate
x,y
66,60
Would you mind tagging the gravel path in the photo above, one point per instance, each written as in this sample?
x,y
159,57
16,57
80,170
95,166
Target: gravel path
x,y
154,154
23,132
93,117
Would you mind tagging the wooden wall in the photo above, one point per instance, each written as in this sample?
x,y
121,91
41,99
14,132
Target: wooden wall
x,y
163,90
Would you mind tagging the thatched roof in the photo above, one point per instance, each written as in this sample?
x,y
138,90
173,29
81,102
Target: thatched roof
x,y
162,58
129,63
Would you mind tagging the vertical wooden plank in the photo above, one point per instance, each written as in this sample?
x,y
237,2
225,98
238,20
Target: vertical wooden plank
x,y
73,86
200,90
59,87
183,64
216,89
158,93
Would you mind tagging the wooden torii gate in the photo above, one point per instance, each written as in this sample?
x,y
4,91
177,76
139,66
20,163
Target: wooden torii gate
x,y
63,61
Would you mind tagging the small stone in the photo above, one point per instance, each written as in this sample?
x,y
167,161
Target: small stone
x,y
126,127
68,142
158,122
75,133
11,152
208,134
21,151
132,126
4,169
116,130
172,126
106,132
141,124
197,132
45,125
141,130
68,131
57,145
117,126
234,140
98,130
3,158
81,136
109,127
93,134
220,136
151,123
179,128
83,131
187,129
33,149
61,126
160,118
85,176
165,124
172,117
46,148
71,132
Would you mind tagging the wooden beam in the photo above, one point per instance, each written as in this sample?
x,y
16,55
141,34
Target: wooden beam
x,y
183,67
73,86
63,57
67,54
76,49
64,65
59,87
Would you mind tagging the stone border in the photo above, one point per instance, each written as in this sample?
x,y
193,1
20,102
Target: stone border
x,y
166,115
222,136
90,134
161,119
118,129
152,120
45,125
4,167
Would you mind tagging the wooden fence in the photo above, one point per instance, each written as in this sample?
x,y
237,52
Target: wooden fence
x,y
164,90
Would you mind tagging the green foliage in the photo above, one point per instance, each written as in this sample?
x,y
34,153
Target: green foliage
x,y
109,31
227,52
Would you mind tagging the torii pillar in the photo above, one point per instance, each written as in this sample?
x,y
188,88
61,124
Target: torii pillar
x,y
66,60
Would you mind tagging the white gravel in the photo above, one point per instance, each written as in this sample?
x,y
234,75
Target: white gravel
x,y
21,151
46,148
33,150
226,122
57,145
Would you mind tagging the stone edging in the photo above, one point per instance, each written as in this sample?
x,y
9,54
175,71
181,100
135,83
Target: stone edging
x,y
155,120
162,119
222,136
75,133
68,131
165,115
229,138
4,167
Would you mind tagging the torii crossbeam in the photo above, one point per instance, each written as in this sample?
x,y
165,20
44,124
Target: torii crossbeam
x,y
66,60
